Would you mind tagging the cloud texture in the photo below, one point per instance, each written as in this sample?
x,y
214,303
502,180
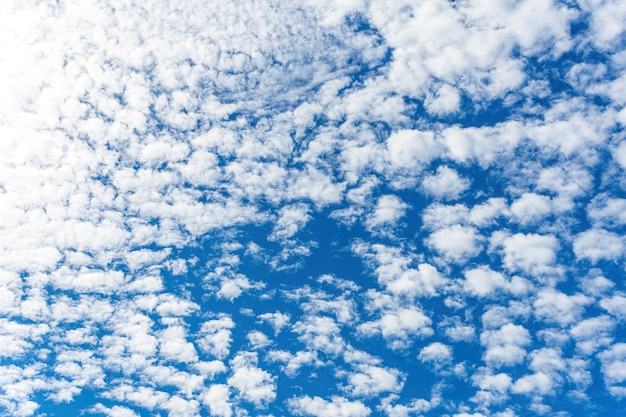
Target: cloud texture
x,y
351,209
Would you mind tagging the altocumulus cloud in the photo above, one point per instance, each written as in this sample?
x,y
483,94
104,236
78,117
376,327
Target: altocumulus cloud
x,y
342,209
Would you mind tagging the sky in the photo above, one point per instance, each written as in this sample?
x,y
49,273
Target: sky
x,y
319,208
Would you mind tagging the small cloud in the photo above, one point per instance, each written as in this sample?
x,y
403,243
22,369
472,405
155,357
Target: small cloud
x,y
446,184
436,353
336,407
446,100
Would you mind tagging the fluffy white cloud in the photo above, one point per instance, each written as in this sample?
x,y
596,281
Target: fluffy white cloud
x,y
458,332
614,368
445,184
456,243
217,399
293,362
394,270
320,333
115,411
607,211
606,21
389,209
531,253
436,353
446,100
336,407
370,380
483,144
415,406
556,307
397,326
619,153
252,383
216,336
535,384
616,305
174,345
483,281
161,160
593,333
494,388
530,208
277,320
506,345
411,149
291,219
258,340
599,244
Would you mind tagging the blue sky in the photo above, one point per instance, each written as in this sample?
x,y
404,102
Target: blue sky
x,y
317,208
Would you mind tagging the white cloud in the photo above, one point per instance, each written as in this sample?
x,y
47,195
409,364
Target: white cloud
x,y
483,281
336,407
171,306
599,244
369,380
460,332
619,154
556,307
320,333
415,407
607,211
436,353
614,369
394,271
494,388
498,383
397,326
388,211
568,182
252,383
277,320
423,281
482,144
258,340
115,411
231,284
530,208
593,333
314,302
456,243
606,21
596,285
446,184
535,384
484,214
217,399
180,407
446,100
547,360
293,363
216,336
292,218
136,135
411,149
317,187
531,253
615,305
505,346
146,397
174,345
438,216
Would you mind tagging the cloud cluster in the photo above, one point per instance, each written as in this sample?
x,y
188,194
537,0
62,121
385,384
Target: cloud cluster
x,y
312,208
